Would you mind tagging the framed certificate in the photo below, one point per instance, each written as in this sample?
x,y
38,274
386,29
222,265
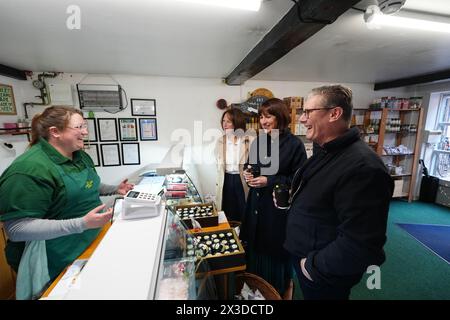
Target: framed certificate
x,y
148,129
92,151
130,153
7,101
143,107
110,154
128,129
92,130
107,129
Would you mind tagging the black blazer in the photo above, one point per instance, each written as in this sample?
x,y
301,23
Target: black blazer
x,y
264,226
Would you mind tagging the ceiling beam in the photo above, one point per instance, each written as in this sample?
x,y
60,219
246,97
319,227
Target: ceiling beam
x,y
287,34
423,78
12,72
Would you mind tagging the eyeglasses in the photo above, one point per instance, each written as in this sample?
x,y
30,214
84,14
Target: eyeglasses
x,y
80,127
307,112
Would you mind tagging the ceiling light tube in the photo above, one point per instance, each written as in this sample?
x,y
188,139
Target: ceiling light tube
x,y
252,5
375,19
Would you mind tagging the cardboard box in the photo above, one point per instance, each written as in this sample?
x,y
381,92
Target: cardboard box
x,y
221,260
443,193
293,102
203,218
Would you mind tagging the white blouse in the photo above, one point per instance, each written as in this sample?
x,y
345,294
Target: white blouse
x,y
232,154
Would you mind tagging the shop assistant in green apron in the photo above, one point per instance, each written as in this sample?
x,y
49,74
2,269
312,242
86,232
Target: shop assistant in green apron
x,y
53,183
44,184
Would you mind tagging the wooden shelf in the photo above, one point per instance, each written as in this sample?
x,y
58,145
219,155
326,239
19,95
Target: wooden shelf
x,y
370,133
441,151
15,132
401,175
400,132
403,195
396,109
398,155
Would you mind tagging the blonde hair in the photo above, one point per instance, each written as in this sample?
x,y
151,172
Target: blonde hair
x,y
55,116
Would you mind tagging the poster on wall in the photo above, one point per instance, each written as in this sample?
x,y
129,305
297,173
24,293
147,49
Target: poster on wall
x,y
107,129
92,151
92,130
148,129
110,154
128,129
130,153
143,107
7,102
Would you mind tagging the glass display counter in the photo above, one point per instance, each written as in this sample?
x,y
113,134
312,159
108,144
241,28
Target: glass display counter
x,y
180,190
163,262
181,275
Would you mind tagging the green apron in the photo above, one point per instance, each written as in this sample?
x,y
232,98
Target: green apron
x,y
82,196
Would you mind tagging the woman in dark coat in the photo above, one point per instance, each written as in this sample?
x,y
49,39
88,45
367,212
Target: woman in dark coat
x,y
278,154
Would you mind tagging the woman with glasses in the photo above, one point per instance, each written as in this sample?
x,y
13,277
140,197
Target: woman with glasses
x,y
277,154
50,200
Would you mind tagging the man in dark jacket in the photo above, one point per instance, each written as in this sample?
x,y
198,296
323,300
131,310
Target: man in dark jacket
x,y
336,224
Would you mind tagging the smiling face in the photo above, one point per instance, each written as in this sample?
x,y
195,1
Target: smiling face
x,y
268,122
227,124
71,138
316,121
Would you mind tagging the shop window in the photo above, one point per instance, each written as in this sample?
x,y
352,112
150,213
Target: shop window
x,y
442,152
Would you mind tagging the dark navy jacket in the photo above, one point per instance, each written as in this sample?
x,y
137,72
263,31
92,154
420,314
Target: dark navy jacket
x,y
339,209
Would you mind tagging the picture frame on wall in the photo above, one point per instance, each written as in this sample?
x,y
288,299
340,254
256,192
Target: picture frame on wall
x,y
128,129
7,101
92,130
143,107
148,129
110,154
107,129
92,151
130,153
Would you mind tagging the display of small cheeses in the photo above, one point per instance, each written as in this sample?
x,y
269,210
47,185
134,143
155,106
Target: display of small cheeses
x,y
212,244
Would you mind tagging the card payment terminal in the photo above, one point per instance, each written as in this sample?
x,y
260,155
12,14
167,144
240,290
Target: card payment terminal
x,y
140,205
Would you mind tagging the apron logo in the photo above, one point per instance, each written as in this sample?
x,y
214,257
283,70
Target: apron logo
x,y
89,184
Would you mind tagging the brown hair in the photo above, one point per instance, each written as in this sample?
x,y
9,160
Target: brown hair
x,y
279,109
237,117
56,116
336,96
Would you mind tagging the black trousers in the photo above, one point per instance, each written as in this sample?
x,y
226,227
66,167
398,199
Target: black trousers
x,y
233,197
314,291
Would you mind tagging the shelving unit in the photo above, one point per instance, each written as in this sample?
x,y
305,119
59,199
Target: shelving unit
x,y
16,131
396,127
295,105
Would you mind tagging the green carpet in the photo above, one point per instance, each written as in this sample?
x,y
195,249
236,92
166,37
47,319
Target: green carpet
x,y
411,271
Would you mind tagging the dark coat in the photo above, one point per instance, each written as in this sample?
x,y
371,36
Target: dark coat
x,y
339,211
264,226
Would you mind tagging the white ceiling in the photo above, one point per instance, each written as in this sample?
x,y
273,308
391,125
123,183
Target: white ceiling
x,y
347,51
158,37
155,37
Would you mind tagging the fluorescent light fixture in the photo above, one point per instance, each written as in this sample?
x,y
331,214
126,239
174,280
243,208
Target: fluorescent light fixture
x,y
252,5
375,19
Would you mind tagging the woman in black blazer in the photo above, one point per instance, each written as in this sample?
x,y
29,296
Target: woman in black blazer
x,y
278,154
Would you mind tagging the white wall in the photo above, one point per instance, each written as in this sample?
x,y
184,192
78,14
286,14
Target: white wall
x,y
179,103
